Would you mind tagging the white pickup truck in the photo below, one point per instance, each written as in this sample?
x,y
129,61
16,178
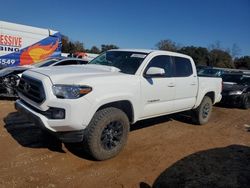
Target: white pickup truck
x,y
96,103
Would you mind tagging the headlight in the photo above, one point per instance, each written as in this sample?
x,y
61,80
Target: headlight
x,y
235,92
70,91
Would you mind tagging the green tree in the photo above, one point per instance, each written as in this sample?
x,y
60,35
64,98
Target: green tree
x,y
200,55
69,46
242,62
167,45
221,58
65,44
94,50
78,46
106,47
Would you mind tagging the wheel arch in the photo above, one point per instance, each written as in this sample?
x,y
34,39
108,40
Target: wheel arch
x,y
124,105
211,95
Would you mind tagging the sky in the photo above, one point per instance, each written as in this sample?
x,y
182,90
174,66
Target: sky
x,y
139,23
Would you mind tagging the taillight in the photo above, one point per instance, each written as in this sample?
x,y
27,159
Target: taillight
x,y
221,86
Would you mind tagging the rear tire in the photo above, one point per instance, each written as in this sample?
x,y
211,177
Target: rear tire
x,y
107,133
203,112
246,101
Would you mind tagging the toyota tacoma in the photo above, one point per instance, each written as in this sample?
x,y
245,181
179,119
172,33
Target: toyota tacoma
x,y
95,104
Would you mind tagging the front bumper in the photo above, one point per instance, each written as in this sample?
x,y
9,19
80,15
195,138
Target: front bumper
x,y
41,121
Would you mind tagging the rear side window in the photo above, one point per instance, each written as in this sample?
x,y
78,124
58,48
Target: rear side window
x,y
183,67
161,61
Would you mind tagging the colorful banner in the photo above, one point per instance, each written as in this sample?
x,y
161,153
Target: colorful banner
x,y
48,47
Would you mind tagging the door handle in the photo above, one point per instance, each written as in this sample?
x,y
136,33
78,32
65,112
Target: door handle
x,y
193,84
171,85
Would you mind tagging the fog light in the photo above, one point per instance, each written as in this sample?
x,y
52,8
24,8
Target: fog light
x,y
55,113
58,114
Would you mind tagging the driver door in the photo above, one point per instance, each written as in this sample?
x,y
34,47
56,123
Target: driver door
x,y
157,93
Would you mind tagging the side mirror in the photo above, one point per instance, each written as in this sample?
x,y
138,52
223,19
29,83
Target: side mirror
x,y
155,72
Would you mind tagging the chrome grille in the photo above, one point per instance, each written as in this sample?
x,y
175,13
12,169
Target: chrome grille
x,y
32,89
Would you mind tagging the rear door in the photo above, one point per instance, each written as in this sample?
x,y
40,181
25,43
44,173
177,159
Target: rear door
x,y
186,83
158,92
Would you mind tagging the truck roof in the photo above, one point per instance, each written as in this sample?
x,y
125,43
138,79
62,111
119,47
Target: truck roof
x,y
134,50
148,51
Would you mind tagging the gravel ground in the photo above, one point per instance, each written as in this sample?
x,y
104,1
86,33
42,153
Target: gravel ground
x,y
162,152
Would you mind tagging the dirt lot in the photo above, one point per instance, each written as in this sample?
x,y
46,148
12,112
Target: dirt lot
x,y
166,150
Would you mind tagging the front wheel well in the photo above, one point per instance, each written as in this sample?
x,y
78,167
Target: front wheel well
x,y
123,105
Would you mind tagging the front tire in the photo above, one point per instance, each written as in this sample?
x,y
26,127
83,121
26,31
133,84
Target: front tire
x,y
203,112
107,133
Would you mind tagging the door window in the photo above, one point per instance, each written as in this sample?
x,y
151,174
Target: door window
x,y
161,61
183,67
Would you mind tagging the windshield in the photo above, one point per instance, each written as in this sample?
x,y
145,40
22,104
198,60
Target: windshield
x,y
127,62
239,79
45,63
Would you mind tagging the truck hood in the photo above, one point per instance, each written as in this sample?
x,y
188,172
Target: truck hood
x,y
73,73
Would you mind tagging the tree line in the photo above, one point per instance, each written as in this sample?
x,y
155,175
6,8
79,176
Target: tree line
x,y
69,46
214,55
